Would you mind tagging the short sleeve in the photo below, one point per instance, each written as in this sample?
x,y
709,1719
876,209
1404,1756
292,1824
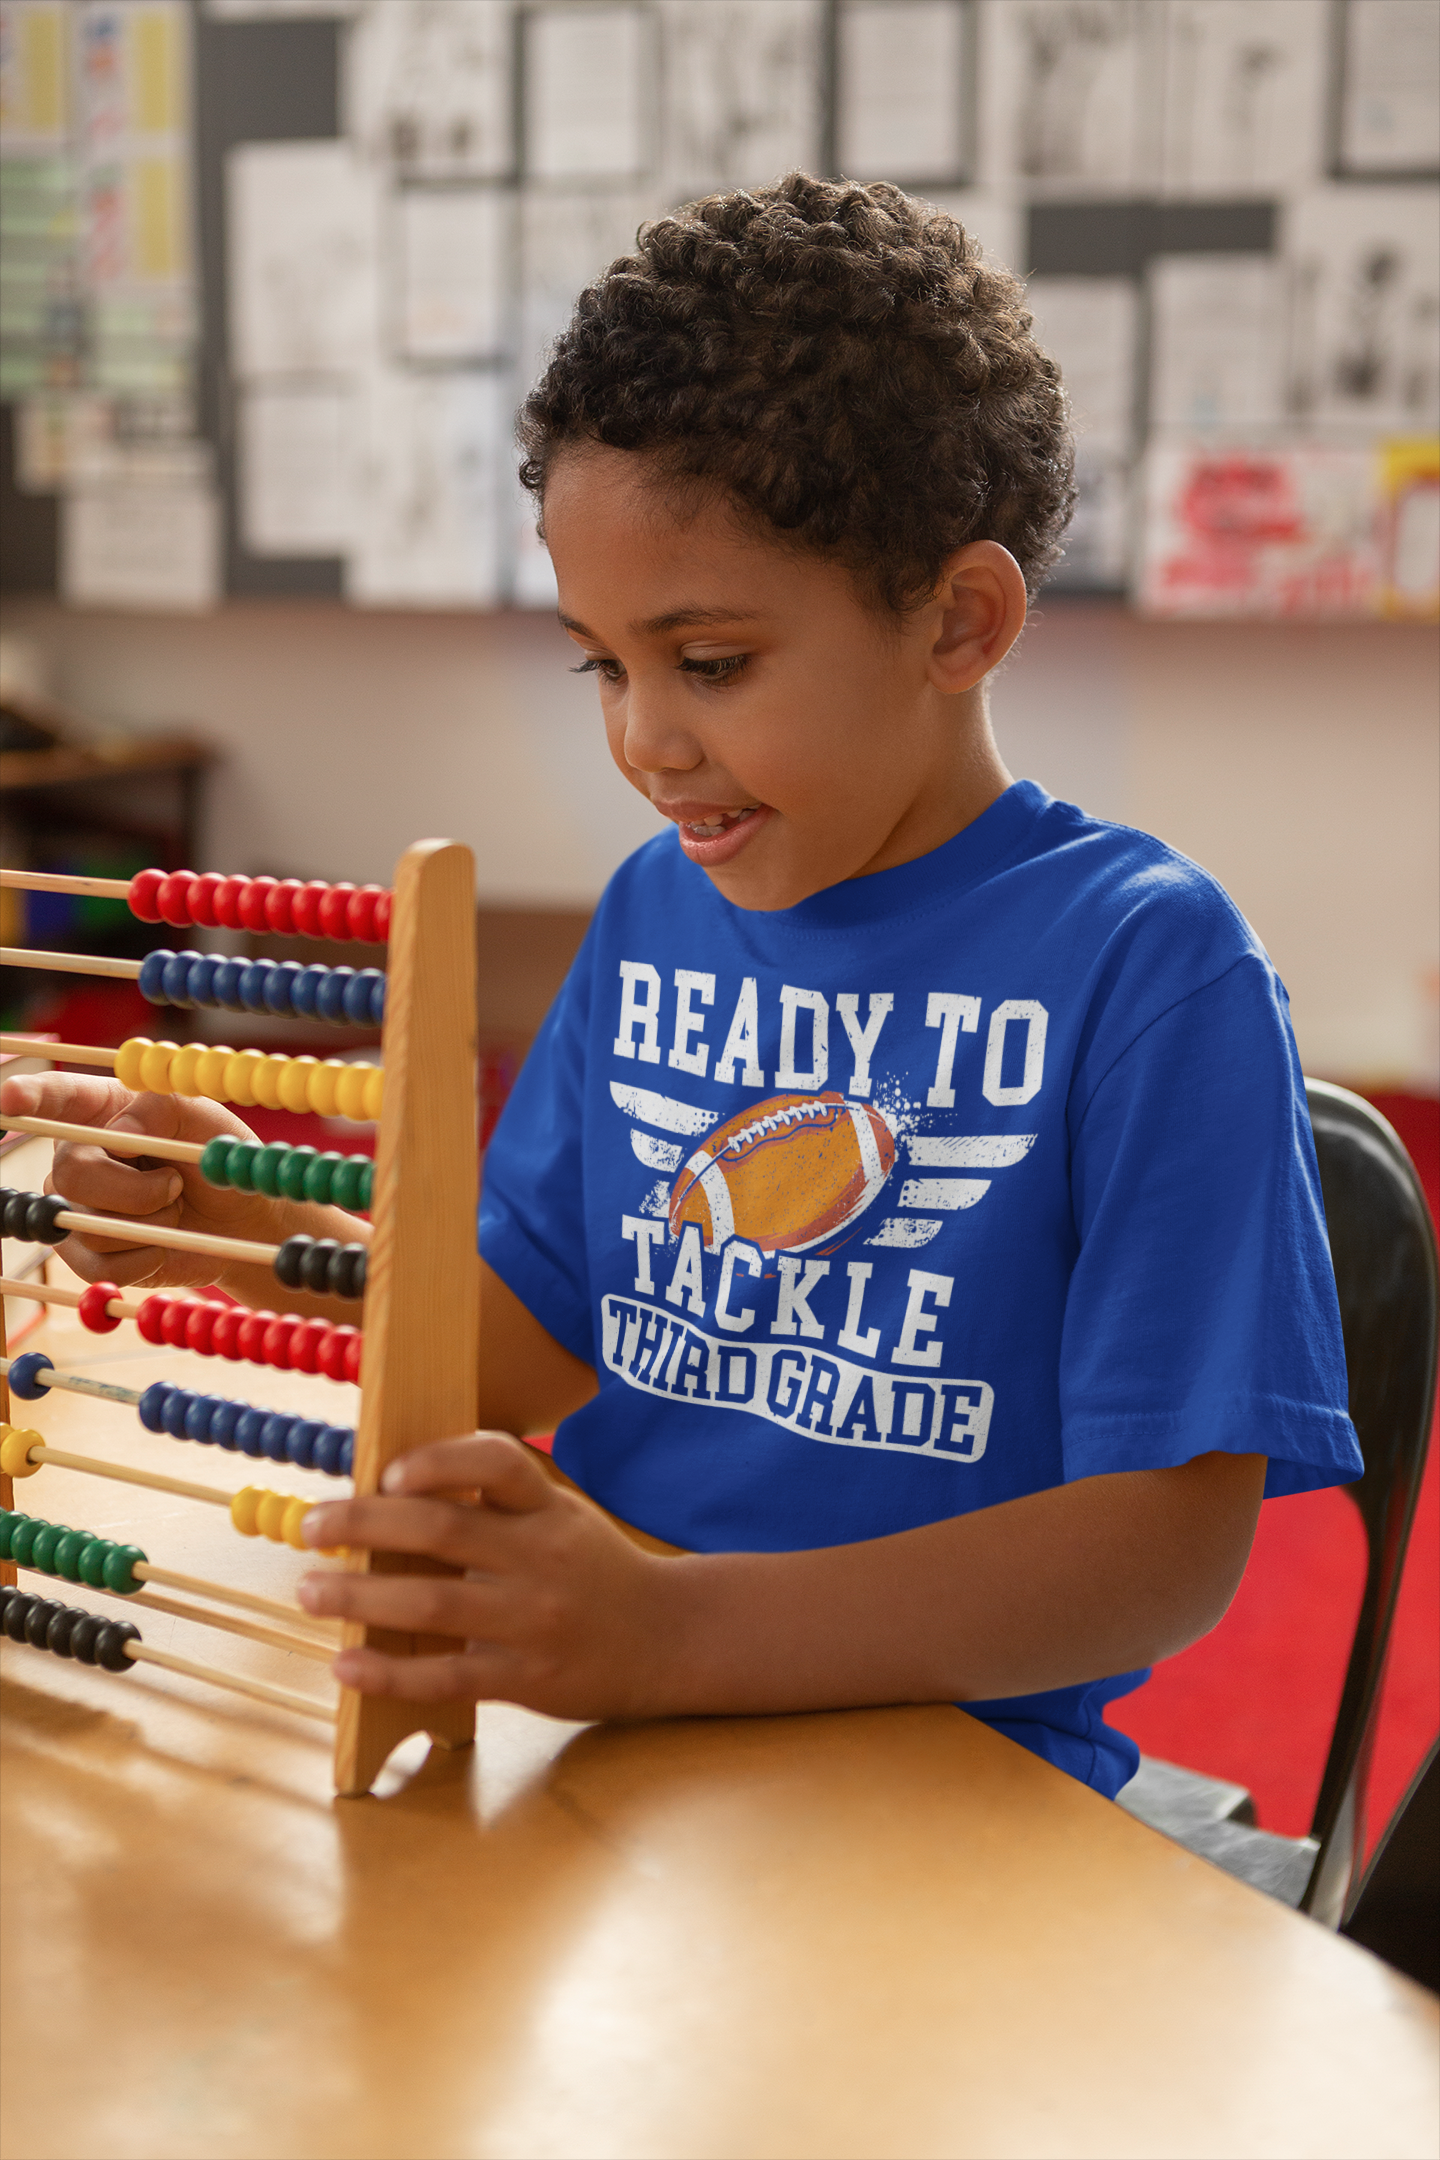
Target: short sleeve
x,y
1201,1313
532,1224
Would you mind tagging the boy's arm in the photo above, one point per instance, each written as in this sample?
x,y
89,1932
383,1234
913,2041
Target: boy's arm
x,y
559,1611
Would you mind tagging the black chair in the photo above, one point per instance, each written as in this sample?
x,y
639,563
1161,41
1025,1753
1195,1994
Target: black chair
x,y
1396,1910
1382,1243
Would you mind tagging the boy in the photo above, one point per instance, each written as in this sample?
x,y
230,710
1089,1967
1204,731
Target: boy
x,y
908,1207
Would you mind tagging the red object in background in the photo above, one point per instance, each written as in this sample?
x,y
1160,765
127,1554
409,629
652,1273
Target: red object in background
x,y
1256,1699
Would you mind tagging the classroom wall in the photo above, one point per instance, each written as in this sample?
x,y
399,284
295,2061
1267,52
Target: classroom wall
x,y
1299,764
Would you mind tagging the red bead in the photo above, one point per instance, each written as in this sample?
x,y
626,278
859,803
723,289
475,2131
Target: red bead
x,y
93,1302
151,1317
382,917
224,1336
334,911
143,888
361,913
200,1318
280,906
306,908
331,1355
305,1345
354,1344
252,902
250,1336
177,1313
228,894
275,1345
202,899
173,899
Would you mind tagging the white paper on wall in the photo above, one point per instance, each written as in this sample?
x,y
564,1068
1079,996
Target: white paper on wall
x,y
1070,95
1363,265
148,544
900,90
1091,326
303,240
566,240
740,92
36,77
428,87
996,221
1245,90
451,259
428,490
588,90
296,468
1390,93
1259,529
1217,341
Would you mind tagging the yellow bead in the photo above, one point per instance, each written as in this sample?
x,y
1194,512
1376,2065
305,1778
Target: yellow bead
x,y
266,1081
294,1089
15,1445
182,1069
322,1084
210,1072
127,1061
155,1067
374,1091
350,1094
239,1078
270,1515
243,1510
295,1512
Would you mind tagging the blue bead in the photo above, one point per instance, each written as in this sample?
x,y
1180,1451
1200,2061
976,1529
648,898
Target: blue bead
x,y
273,1435
223,1420
252,986
330,1449
377,999
225,985
346,1465
152,975
151,1406
248,1427
23,1372
280,987
197,1416
357,996
175,981
177,1409
300,1446
330,998
200,984
306,989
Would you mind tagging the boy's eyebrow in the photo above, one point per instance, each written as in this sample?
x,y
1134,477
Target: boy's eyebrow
x,y
685,618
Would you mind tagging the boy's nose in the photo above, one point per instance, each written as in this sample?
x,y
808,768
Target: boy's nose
x,y
655,737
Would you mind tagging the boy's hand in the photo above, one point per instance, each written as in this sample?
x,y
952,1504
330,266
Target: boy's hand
x,y
173,1195
556,1610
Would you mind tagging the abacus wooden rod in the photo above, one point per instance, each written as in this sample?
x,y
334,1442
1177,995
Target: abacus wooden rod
x,y
201,1586
124,1475
142,1653
114,1143
62,1053
233,1624
102,888
67,963
77,1384
57,1294
135,1230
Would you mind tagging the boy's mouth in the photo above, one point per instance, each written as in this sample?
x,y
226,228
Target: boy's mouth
x,y
711,833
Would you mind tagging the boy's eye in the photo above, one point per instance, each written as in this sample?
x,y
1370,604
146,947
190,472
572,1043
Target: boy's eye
x,y
609,670
716,671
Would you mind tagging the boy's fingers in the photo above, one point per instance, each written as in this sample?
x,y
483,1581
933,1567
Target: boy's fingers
x,y
69,1098
465,1536
412,1604
102,1184
469,1676
495,1463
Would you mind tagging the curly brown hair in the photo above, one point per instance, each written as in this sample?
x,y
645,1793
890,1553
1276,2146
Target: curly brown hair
x,y
841,362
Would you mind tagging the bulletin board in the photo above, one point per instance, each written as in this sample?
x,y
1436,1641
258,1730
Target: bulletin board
x,y
276,275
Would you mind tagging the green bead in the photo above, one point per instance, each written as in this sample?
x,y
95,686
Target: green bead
x,y
291,1176
119,1565
367,1186
22,1538
241,1166
68,1552
10,1521
267,1168
215,1160
345,1186
320,1175
43,1544
92,1562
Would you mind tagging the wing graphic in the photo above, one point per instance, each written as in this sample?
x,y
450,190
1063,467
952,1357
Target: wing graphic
x,y
947,1151
667,1114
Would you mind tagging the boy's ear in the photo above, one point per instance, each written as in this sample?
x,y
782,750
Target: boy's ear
x,y
979,611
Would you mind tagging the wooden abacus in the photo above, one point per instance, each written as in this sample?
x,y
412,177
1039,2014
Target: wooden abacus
x,y
418,1370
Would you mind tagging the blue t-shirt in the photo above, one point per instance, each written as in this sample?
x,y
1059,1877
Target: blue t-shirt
x,y
950,1184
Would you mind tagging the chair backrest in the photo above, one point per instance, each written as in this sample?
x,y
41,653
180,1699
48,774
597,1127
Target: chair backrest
x,y
1396,1910
1382,1243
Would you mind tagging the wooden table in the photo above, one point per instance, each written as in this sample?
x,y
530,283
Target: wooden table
x,y
879,1933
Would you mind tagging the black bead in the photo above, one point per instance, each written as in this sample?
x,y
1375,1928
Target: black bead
x,y
289,1259
347,1272
315,1265
40,1217
7,1591
17,1612
110,1645
61,1628
83,1636
37,1620
12,1221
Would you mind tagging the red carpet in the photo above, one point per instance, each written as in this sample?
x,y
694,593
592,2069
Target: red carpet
x,y
1256,1700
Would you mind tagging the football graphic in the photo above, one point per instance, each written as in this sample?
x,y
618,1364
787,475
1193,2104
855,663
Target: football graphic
x,y
786,1175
